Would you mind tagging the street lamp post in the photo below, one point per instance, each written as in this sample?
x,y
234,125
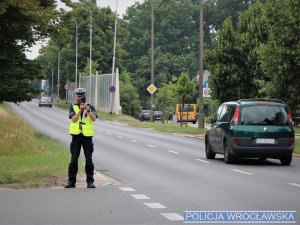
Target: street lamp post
x,y
114,58
91,31
200,114
76,86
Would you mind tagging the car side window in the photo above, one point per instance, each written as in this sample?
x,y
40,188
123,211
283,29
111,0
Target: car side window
x,y
231,111
217,115
224,114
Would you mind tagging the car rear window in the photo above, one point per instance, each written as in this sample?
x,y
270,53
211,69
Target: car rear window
x,y
263,115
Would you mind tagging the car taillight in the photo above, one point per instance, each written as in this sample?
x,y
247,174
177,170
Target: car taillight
x,y
236,116
236,141
291,142
290,116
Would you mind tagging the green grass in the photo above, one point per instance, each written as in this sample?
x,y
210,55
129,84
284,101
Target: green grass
x,y
26,156
168,127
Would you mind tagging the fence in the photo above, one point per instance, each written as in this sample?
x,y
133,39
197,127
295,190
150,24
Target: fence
x,y
104,93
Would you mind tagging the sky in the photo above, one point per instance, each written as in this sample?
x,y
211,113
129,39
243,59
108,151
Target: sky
x,y
121,9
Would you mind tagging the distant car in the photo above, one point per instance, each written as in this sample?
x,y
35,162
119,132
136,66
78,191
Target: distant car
x,y
145,115
45,101
158,115
251,128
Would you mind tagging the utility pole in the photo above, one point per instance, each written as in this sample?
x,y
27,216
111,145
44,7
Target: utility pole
x,y
76,83
200,113
152,60
58,65
52,84
91,31
114,59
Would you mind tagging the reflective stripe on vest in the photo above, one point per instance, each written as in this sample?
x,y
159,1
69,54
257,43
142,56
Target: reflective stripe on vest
x,y
86,123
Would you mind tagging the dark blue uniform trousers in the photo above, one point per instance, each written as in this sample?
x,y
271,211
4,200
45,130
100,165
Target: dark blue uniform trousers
x,y
88,147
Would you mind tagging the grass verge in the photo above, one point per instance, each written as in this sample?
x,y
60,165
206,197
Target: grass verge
x,y
28,159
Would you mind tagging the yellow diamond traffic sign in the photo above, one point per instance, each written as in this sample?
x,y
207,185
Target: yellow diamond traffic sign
x,y
151,88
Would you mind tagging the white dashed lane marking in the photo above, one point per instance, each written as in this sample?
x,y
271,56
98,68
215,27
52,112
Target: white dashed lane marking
x,y
127,189
297,185
108,133
173,152
155,205
140,196
172,216
119,137
151,146
243,172
133,141
201,160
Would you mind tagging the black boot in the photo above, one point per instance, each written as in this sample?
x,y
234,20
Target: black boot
x,y
91,185
70,185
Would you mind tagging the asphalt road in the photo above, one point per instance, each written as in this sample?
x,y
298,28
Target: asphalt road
x,y
161,176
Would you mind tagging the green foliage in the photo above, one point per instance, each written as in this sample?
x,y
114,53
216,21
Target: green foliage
x,y
103,20
128,96
260,58
176,37
185,88
21,24
166,100
280,55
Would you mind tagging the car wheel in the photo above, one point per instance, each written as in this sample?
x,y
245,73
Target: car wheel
x,y
286,159
228,157
194,122
208,151
40,106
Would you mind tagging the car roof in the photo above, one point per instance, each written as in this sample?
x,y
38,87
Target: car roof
x,y
254,101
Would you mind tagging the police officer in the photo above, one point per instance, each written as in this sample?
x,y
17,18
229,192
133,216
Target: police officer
x,y
82,115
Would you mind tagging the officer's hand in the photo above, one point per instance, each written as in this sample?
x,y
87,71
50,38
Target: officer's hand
x,y
83,106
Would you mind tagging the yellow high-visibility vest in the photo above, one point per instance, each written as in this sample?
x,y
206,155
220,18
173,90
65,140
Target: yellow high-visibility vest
x,y
85,123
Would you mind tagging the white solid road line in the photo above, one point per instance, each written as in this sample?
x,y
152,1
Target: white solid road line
x,y
172,216
155,205
243,172
140,196
297,185
201,160
126,189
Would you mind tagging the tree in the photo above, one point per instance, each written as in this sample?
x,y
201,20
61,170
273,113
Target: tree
x,y
227,67
185,89
260,58
166,99
176,37
280,55
129,97
21,24
102,42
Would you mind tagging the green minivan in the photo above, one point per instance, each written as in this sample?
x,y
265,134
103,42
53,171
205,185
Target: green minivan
x,y
251,128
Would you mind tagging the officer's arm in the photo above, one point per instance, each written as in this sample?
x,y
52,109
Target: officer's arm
x,y
76,116
92,115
